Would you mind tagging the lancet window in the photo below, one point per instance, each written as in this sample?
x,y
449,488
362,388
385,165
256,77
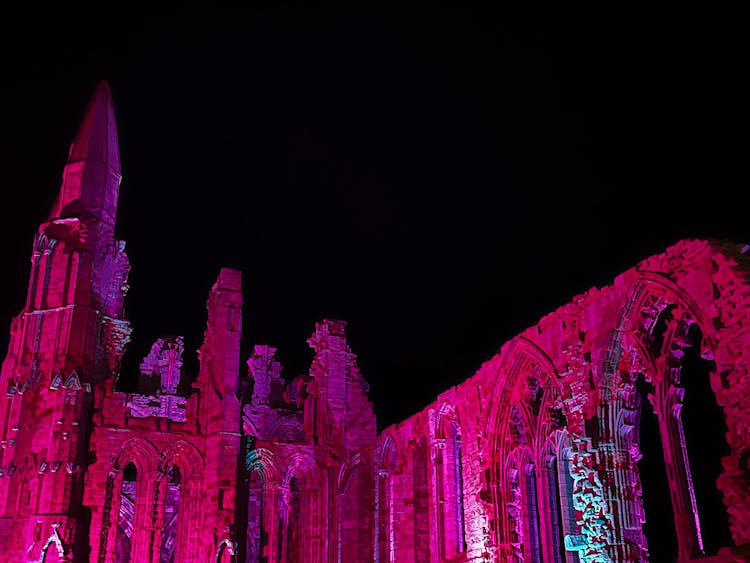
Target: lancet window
x,y
126,516
385,540
449,486
290,544
255,506
171,515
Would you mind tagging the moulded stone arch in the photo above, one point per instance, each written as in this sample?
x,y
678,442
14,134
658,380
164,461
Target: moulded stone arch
x,y
517,358
301,530
141,452
701,284
559,518
648,296
448,483
55,543
225,551
446,412
526,409
265,475
285,428
387,455
265,462
144,456
186,456
353,488
189,529
656,302
345,473
304,467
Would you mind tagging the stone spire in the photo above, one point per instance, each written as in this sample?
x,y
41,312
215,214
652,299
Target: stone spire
x,y
91,178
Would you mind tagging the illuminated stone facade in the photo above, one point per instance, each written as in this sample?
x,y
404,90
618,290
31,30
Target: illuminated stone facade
x,y
537,457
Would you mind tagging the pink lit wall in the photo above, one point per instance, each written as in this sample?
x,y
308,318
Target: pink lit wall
x,y
538,456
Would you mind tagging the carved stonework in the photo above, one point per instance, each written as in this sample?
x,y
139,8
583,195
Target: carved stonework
x,y
116,337
165,362
592,515
518,429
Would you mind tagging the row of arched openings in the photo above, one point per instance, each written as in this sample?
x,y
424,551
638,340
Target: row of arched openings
x,y
536,498
282,513
663,436
126,518
671,424
447,491
152,503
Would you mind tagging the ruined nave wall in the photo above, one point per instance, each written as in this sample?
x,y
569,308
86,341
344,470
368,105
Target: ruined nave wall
x,y
564,392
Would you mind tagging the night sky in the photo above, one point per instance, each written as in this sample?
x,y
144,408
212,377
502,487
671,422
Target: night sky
x,y
439,176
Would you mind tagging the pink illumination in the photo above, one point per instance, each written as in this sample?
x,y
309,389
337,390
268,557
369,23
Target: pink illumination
x,y
535,457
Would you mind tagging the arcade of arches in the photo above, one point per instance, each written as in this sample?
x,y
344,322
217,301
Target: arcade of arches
x,y
615,429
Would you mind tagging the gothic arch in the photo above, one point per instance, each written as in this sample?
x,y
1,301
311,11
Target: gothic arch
x,y
448,482
300,528
527,409
387,463
144,456
303,466
185,528
265,462
353,487
53,541
264,476
446,413
659,323
345,474
559,510
225,552
517,357
285,428
387,454
185,456
141,452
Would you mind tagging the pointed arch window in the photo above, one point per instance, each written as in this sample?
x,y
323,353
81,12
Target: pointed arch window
x,y
290,548
126,516
171,515
531,514
384,537
514,507
53,550
256,537
523,508
450,494
559,485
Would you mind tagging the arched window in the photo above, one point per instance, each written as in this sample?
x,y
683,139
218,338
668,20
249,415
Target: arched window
x,y
533,546
514,508
126,517
523,508
384,537
226,553
555,513
256,538
698,418
681,438
290,548
449,485
559,490
171,513
52,551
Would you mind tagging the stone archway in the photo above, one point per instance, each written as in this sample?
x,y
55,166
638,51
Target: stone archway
x,y
53,550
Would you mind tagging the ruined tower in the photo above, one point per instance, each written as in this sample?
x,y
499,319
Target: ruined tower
x,y
65,344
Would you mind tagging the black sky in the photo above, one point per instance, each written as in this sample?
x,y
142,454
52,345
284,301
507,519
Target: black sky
x,y
439,176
